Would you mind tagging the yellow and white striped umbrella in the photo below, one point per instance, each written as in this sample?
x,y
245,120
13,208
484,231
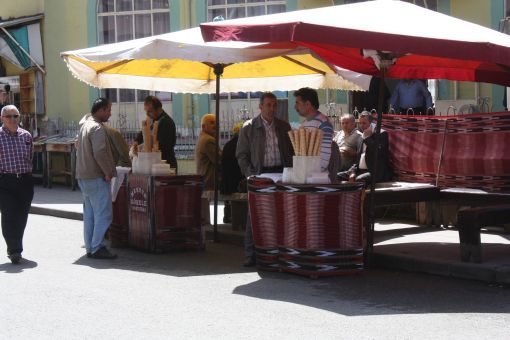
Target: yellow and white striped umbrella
x,y
182,62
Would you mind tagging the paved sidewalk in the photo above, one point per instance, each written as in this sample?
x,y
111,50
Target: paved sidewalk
x,y
397,245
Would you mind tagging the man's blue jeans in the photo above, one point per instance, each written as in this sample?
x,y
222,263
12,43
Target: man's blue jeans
x,y
97,211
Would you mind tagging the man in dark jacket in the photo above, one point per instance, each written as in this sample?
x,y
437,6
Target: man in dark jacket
x,y
263,147
166,130
231,175
362,170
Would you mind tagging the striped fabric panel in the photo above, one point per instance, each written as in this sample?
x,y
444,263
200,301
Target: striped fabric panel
x,y
474,155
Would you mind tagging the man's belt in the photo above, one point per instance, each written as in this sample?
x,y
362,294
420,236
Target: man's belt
x,y
272,169
18,176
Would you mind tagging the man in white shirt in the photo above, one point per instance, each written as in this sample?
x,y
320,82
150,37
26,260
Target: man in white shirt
x,y
349,141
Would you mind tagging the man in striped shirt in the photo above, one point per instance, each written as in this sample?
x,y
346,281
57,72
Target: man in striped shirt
x,y
307,105
16,186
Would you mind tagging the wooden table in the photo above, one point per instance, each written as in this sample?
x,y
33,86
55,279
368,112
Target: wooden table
x,y
66,146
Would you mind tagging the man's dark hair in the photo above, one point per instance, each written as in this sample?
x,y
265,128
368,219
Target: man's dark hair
x,y
367,115
308,94
266,95
154,101
99,103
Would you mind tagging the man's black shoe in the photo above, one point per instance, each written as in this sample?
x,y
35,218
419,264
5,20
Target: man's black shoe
x,y
103,254
89,254
249,261
15,258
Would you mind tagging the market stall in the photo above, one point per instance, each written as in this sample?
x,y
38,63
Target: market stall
x,y
162,212
312,230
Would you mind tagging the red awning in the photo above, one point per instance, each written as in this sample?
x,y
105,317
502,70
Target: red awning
x,y
426,44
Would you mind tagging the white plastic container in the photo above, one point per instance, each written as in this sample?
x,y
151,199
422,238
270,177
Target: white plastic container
x,y
288,175
160,169
304,166
143,163
318,178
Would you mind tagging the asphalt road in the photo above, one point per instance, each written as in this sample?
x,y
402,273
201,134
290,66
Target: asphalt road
x,y
57,293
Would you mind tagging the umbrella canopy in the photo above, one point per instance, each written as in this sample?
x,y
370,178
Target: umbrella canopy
x,y
182,62
419,43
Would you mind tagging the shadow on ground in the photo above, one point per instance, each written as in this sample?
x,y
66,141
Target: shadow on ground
x,y
377,292
10,268
216,259
373,292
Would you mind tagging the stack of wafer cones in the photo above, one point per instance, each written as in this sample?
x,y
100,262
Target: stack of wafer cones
x,y
306,142
155,143
150,138
147,137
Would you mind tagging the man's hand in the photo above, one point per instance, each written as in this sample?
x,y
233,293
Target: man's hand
x,y
107,178
352,177
348,151
134,149
367,132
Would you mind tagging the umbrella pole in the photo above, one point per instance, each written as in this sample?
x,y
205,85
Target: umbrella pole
x,y
218,71
371,204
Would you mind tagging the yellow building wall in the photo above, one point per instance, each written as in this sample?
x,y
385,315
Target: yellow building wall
x,y
475,11
478,12
307,4
20,8
65,28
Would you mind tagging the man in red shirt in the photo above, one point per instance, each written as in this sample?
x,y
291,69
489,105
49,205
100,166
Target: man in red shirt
x,y
16,185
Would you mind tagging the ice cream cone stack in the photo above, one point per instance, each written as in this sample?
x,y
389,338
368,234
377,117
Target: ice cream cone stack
x,y
306,142
154,136
147,137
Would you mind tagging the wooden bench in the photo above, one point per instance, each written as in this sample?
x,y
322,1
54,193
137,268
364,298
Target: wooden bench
x,y
486,208
469,223
391,193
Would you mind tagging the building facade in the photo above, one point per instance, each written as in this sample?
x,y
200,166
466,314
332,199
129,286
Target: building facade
x,y
68,25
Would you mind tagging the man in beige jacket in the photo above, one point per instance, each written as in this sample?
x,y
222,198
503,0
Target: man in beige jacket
x,y
95,168
205,160
119,146
205,149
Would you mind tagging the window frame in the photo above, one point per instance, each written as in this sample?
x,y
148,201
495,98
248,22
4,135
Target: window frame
x,y
244,5
133,12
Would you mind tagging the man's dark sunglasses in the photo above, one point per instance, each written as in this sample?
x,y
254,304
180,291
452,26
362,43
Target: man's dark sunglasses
x,y
11,116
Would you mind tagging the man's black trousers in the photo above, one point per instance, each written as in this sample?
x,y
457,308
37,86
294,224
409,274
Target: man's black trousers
x,y
16,195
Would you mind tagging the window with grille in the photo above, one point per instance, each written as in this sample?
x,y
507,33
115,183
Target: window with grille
x,y
235,102
121,20
233,9
430,4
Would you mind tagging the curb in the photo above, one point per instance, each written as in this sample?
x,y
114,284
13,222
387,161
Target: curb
x,y
71,215
460,270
